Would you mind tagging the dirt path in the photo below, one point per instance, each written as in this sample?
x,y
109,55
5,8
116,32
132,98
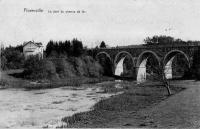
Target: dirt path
x,y
180,110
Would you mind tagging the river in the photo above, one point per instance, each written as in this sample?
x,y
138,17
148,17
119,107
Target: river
x,y
20,108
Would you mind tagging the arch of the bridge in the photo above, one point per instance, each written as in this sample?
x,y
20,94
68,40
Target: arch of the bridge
x,y
105,53
122,60
168,59
109,57
141,64
173,53
123,52
139,59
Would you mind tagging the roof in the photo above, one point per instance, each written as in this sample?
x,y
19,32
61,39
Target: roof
x,y
39,44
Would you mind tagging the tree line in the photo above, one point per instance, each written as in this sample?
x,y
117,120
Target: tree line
x,y
12,56
69,48
167,40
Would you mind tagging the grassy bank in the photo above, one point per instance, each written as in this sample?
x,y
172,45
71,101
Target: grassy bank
x,y
75,82
7,80
117,110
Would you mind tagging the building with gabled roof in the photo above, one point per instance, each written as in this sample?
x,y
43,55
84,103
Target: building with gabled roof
x,y
32,48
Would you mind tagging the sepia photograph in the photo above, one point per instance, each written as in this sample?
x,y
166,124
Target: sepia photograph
x,y
99,64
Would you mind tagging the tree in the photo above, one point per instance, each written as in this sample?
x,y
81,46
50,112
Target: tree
x,y
63,48
159,40
106,64
102,45
162,77
157,71
67,47
162,40
19,48
77,47
34,68
196,64
50,47
12,58
3,62
53,54
57,49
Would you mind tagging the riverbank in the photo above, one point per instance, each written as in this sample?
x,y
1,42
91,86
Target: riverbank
x,y
118,110
8,80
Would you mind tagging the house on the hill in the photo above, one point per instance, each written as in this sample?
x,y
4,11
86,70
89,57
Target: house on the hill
x,y
32,48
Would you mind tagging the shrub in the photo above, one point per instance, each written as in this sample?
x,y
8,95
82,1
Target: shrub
x,y
32,64
61,68
94,69
64,68
3,62
50,69
11,59
80,67
34,68
197,73
87,66
3,83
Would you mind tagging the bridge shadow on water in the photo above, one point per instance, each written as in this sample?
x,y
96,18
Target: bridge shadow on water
x,y
134,79
124,78
182,78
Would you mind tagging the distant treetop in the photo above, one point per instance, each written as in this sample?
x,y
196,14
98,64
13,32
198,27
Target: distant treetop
x,y
102,45
166,40
62,48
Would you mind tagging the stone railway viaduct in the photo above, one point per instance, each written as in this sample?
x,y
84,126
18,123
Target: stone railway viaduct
x,y
140,54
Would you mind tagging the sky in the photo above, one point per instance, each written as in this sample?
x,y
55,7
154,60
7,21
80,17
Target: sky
x,y
117,22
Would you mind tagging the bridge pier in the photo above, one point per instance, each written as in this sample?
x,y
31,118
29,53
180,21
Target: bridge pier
x,y
141,72
168,68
